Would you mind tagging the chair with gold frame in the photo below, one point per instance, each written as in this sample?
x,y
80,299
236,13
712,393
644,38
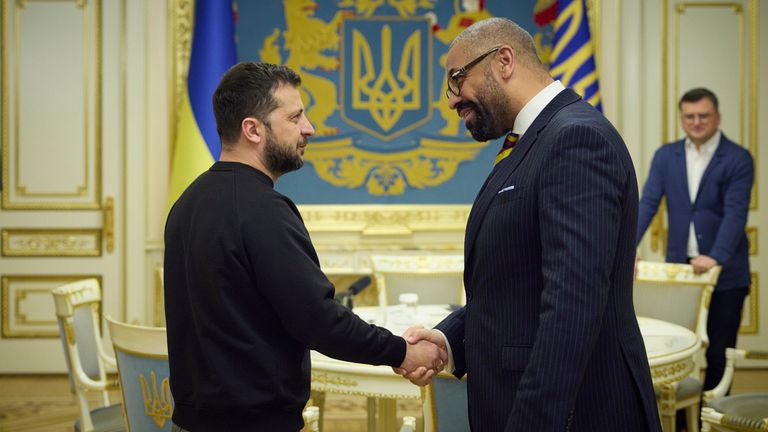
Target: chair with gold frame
x,y
437,279
77,310
742,412
445,404
142,363
674,293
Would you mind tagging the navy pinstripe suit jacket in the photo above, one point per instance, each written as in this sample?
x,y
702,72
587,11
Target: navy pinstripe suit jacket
x,y
549,336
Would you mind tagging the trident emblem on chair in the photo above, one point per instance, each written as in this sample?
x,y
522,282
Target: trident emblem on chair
x,y
158,407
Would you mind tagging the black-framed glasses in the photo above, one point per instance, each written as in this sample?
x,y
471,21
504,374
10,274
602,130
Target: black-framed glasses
x,y
454,87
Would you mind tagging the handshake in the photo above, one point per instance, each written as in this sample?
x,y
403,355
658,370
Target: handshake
x,y
426,355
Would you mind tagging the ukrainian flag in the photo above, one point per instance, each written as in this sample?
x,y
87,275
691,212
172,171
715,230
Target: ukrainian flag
x,y
197,143
573,55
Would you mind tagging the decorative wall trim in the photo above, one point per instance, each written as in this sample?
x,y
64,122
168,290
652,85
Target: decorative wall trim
x,y
87,195
159,303
753,240
16,289
388,226
32,242
181,17
752,326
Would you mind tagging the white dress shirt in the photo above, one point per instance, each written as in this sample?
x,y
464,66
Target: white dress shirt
x,y
696,161
523,121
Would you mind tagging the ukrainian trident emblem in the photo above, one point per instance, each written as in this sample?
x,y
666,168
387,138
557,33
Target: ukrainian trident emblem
x,y
372,84
385,75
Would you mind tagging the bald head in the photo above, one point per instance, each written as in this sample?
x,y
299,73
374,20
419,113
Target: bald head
x,y
486,34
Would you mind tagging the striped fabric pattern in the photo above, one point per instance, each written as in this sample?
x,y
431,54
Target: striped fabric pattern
x,y
506,147
548,338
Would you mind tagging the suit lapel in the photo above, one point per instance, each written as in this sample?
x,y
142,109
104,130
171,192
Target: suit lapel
x,y
507,166
682,167
716,159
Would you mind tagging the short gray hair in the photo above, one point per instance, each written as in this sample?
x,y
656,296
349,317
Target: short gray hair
x,y
483,35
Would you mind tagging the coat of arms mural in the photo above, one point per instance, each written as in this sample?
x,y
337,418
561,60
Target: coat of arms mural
x,y
373,86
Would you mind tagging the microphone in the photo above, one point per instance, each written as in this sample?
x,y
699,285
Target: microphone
x,y
359,285
345,298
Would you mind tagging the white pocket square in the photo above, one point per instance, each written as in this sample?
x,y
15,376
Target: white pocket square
x,y
506,189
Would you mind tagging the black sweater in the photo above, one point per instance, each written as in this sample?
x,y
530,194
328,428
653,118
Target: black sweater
x,y
245,301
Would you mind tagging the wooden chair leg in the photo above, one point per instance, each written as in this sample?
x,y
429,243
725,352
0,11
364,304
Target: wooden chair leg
x,y
318,400
692,418
667,407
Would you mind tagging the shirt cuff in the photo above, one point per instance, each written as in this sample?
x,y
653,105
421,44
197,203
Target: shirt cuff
x,y
450,368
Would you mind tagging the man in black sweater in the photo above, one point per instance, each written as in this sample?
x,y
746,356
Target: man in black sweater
x,y
245,298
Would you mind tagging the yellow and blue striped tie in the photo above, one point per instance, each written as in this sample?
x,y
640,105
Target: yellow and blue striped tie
x,y
506,148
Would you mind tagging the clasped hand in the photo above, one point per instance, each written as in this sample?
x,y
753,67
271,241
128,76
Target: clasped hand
x,y
425,357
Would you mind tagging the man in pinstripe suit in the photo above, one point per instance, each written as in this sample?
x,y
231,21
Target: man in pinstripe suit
x,y
549,337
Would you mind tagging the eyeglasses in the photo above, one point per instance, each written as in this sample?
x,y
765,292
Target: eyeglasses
x,y
702,117
454,87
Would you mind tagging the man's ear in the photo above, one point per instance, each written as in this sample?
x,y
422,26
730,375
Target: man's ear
x,y
507,57
252,129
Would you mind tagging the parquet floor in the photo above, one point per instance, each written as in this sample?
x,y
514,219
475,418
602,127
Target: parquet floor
x,y
42,403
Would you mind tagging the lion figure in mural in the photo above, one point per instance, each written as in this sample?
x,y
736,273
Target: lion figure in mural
x,y
305,38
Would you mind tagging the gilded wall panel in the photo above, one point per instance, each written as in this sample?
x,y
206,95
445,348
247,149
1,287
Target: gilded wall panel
x,y
752,237
51,158
27,304
51,242
750,322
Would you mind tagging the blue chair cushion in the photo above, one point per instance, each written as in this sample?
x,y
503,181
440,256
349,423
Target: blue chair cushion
x,y
106,419
688,387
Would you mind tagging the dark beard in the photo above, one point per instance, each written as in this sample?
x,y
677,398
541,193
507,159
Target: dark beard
x,y
281,159
489,113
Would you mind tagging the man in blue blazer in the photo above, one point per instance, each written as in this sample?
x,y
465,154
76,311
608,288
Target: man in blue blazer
x,y
707,180
548,338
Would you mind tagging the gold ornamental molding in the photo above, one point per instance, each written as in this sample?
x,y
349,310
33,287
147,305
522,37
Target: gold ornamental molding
x,y
657,229
752,237
32,242
323,378
16,290
92,95
753,324
671,373
384,220
181,17
21,318
159,303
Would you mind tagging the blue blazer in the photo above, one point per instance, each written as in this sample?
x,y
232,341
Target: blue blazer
x,y
719,213
548,337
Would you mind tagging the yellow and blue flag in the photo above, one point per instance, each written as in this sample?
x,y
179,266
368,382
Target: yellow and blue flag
x,y
197,143
573,55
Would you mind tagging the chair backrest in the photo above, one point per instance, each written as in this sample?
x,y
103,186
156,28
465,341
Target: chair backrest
x,y
674,293
445,404
77,307
437,279
142,363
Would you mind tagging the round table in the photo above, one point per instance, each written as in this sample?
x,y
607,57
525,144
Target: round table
x,y
670,348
